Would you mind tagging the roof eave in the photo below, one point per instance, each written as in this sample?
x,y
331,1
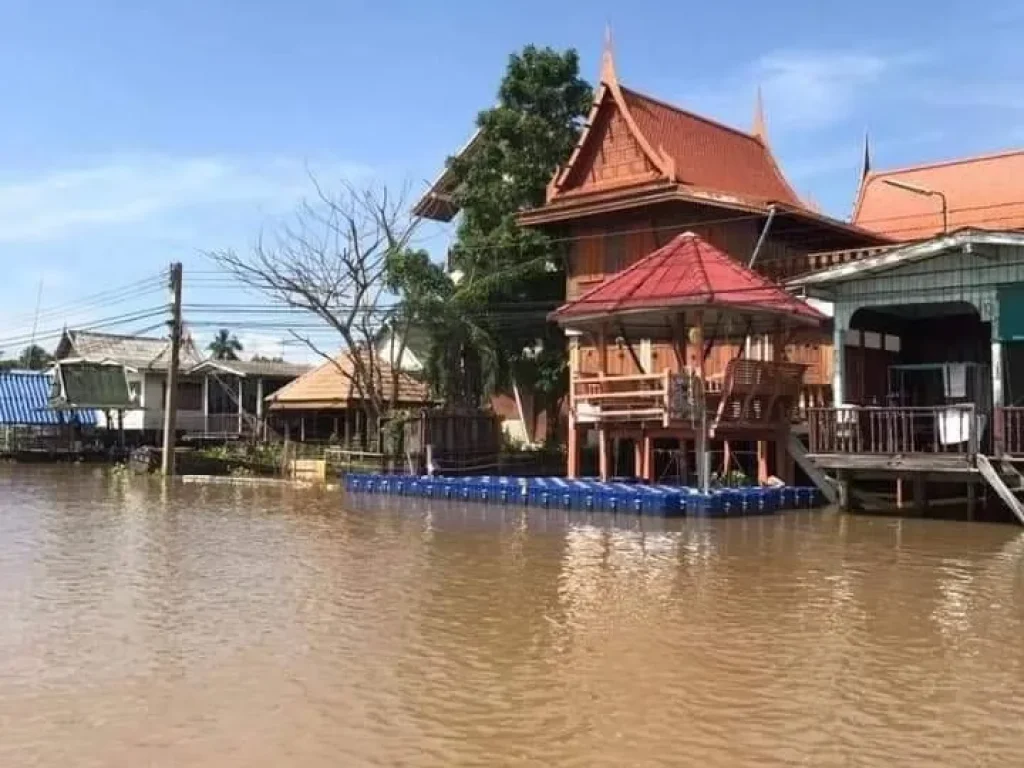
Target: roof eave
x,y
903,255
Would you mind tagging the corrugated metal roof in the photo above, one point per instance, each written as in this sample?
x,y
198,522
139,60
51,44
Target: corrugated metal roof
x,y
138,352
266,368
24,401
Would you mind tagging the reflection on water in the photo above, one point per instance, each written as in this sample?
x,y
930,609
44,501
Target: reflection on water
x,y
229,626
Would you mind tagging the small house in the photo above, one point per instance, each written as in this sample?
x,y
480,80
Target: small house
x,y
326,404
28,422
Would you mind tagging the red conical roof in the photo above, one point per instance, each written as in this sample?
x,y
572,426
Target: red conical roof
x,y
687,273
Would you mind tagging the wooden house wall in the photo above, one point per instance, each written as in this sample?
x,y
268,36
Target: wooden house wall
x,y
609,244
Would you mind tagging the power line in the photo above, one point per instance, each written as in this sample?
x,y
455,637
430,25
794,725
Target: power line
x,y
103,298
56,333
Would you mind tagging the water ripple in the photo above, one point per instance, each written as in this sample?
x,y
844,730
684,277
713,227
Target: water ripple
x,y
226,626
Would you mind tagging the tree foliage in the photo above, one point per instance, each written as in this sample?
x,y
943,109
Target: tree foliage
x,y
225,345
32,358
511,277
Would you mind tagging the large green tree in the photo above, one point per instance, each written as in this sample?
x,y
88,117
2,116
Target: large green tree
x,y
494,326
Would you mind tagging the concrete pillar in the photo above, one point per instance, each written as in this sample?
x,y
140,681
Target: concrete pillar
x,y
997,373
206,403
838,362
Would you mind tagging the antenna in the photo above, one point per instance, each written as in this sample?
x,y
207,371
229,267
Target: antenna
x,y
35,319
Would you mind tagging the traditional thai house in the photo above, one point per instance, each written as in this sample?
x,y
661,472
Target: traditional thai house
x,y
645,171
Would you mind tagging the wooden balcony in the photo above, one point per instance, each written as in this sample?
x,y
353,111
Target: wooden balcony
x,y
749,394
911,438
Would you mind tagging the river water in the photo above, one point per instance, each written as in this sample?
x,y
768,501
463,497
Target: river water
x,y
228,626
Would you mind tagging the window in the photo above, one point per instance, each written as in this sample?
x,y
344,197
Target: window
x,y
614,254
190,395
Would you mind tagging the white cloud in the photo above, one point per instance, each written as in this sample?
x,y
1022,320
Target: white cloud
x,y
131,189
804,90
809,89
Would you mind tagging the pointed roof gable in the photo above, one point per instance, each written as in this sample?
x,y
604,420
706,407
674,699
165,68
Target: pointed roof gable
x,y
634,139
984,192
688,272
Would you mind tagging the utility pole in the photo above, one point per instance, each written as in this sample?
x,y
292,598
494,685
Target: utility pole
x,y
171,400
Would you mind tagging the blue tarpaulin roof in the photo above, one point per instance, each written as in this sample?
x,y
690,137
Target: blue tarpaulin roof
x,y
24,401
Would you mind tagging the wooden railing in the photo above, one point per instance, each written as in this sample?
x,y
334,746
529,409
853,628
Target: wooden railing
x,y
643,397
952,429
1008,431
749,392
218,423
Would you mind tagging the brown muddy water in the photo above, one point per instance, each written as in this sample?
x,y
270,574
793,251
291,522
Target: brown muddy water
x,y
227,626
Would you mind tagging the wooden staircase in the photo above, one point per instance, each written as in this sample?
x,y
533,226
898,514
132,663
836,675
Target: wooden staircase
x,y
798,452
1007,482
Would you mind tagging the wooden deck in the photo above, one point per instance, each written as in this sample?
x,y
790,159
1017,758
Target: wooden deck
x,y
940,444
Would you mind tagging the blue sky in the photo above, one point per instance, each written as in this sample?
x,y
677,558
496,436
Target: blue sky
x,y
133,134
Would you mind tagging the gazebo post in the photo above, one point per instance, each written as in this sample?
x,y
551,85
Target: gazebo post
x,y
702,434
678,323
602,432
784,468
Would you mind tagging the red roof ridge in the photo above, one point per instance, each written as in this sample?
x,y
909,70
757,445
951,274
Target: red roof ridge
x,y
694,115
944,163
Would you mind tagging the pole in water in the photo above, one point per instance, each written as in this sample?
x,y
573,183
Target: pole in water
x,y
171,401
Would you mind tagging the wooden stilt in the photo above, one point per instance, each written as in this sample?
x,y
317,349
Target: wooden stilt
x,y
762,462
899,493
573,450
703,468
726,459
920,493
971,500
602,454
648,453
638,459
784,467
844,489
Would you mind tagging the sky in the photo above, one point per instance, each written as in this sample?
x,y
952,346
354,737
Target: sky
x,y
136,134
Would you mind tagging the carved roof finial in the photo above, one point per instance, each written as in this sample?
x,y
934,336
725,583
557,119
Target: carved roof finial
x,y
760,129
608,75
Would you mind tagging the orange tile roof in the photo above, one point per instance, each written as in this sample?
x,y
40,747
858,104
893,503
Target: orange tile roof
x,y
708,154
327,387
985,192
687,272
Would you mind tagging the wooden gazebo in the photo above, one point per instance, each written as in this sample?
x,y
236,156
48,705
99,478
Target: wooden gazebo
x,y
688,293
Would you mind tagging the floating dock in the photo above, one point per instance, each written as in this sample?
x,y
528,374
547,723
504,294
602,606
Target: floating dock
x,y
621,497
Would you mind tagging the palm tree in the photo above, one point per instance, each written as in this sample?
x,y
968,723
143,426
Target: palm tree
x,y
225,346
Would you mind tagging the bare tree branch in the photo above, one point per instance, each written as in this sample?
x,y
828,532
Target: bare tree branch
x,y
331,260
